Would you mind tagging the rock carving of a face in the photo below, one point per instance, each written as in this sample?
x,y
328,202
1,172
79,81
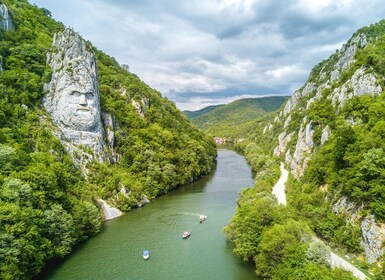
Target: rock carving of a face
x,y
73,98
77,101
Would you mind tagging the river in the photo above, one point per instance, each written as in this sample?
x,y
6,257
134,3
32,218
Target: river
x,y
116,253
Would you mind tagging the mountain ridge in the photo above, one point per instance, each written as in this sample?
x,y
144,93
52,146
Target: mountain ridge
x,y
242,113
329,135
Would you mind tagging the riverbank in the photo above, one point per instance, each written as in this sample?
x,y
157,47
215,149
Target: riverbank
x,y
116,253
334,260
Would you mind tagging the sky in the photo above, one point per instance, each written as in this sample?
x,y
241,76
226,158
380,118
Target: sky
x,y
206,52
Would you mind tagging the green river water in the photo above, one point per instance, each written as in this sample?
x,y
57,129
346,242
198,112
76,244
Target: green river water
x,y
116,253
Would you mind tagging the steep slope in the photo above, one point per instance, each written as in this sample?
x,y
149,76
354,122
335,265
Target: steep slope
x,y
76,131
330,135
236,119
195,114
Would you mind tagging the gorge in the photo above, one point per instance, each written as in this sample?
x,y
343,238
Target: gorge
x,y
116,251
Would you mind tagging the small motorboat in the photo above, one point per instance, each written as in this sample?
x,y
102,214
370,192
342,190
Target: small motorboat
x,y
186,234
202,219
146,254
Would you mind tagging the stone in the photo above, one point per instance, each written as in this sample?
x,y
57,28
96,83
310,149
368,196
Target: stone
x,y
292,102
360,83
349,209
110,125
141,106
373,237
72,97
109,211
287,121
325,134
6,22
303,149
124,191
346,55
283,139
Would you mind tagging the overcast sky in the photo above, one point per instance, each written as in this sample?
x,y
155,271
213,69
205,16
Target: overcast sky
x,y
205,52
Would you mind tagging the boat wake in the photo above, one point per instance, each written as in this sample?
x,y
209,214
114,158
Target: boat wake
x,y
192,214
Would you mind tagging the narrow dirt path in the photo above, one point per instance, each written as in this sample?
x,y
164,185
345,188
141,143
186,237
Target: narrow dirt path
x,y
279,188
335,260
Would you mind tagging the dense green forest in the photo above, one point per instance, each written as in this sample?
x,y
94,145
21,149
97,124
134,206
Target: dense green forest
x,y
237,119
197,113
47,205
349,164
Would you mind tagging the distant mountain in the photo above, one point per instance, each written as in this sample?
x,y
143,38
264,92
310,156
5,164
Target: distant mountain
x,y
234,120
195,114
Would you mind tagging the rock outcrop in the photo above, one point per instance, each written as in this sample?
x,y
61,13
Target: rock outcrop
x,y
141,106
346,55
360,83
325,135
283,139
336,79
109,211
348,208
373,238
6,22
303,149
73,97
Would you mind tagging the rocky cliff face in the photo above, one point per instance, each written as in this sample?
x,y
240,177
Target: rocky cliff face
x,y
373,238
362,82
326,81
73,100
6,22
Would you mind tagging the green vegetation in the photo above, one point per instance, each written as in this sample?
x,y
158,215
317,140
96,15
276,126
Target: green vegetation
x,y
275,237
46,205
158,152
195,114
236,119
350,164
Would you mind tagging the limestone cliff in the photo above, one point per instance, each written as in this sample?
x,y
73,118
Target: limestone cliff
x,y
335,80
361,82
6,22
73,99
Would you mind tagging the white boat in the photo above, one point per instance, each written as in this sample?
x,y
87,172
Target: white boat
x,y
202,219
146,254
186,234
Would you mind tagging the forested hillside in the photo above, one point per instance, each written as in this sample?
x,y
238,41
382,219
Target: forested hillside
x,y
49,203
330,136
236,119
194,114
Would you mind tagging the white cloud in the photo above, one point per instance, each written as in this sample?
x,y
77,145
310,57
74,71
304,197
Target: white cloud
x,y
218,48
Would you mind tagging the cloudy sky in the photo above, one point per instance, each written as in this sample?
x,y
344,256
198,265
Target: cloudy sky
x,y
205,52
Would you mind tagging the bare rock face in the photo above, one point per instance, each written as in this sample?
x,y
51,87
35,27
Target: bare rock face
x,y
110,125
325,135
360,83
292,102
349,209
303,149
73,96
6,22
109,211
347,53
373,237
141,106
283,139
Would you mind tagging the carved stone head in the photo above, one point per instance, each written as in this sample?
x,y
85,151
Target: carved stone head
x,y
73,97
